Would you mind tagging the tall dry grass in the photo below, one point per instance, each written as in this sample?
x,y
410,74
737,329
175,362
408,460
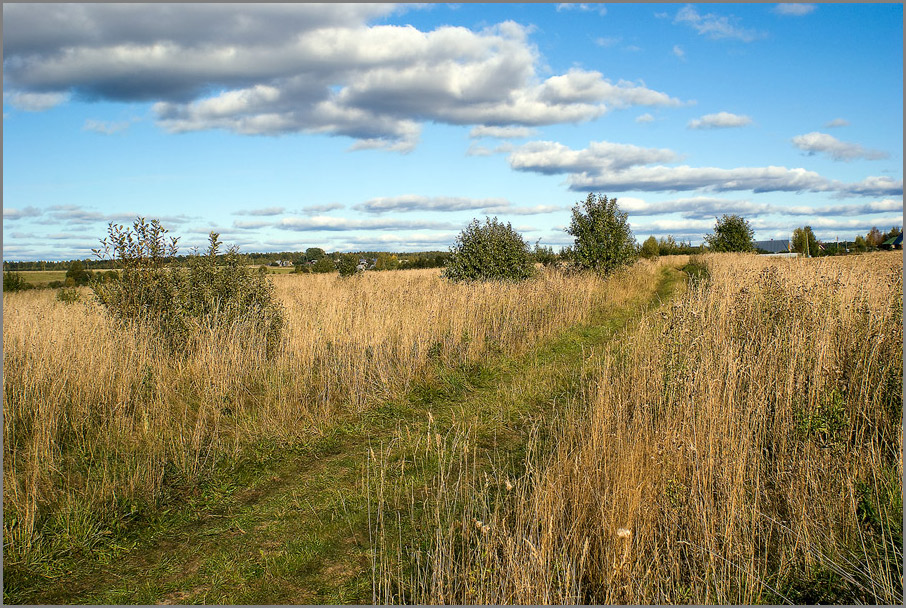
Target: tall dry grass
x,y
99,423
741,446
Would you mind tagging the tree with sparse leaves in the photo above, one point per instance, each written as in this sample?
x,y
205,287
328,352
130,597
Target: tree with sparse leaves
x,y
731,233
603,239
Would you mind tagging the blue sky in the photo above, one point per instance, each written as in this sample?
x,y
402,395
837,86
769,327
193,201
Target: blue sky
x,y
389,127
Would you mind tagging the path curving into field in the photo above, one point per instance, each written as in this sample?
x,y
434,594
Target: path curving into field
x,y
295,530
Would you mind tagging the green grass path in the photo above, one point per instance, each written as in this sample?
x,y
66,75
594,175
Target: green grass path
x,y
295,529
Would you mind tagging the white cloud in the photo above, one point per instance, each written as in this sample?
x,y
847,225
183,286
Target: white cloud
x,y
105,127
837,122
250,225
705,207
714,26
261,211
610,167
815,142
328,223
298,68
608,41
646,117
35,102
421,203
794,10
679,52
501,132
583,7
721,120
10,213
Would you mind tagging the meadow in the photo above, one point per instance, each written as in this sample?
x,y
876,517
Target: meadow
x,y
727,435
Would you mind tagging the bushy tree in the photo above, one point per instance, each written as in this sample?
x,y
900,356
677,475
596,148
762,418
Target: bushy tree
x,y
492,251
313,254
77,273
544,255
603,239
804,241
650,248
874,238
14,281
347,264
859,244
323,265
173,302
731,233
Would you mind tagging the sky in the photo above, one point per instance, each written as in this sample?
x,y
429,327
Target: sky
x,y
389,127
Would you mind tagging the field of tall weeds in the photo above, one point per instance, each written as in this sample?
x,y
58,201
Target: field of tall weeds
x,y
741,445
101,423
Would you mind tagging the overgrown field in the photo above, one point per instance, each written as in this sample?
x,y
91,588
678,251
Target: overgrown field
x,y
100,425
742,445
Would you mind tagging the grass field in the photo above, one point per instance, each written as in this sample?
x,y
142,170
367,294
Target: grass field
x,y
42,277
560,440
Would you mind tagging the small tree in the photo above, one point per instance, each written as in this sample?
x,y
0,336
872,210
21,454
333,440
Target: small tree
x,y
14,281
603,239
650,249
347,265
859,244
804,241
731,233
313,254
77,273
544,255
489,252
874,238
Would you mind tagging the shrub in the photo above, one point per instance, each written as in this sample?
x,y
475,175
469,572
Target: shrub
x,y
68,295
347,264
603,239
77,273
544,255
173,302
650,248
14,281
324,265
731,233
489,252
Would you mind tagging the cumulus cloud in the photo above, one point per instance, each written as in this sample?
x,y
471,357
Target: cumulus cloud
x,y
714,26
721,120
646,117
421,203
794,10
614,167
312,209
583,7
815,143
10,213
250,225
705,207
837,122
287,68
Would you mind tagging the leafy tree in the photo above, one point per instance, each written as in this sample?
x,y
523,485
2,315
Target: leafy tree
x,y
859,244
313,254
895,231
347,264
603,239
650,248
804,241
874,238
544,255
731,233
492,251
77,273
323,265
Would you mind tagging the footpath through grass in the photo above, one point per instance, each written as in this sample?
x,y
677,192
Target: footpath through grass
x,y
293,527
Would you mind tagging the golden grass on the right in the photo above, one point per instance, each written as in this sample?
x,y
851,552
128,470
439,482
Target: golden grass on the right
x,y
742,445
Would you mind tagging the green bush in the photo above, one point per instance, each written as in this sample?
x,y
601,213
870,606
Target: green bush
x,y
324,265
174,302
650,248
603,239
77,273
347,264
68,295
489,252
731,233
14,281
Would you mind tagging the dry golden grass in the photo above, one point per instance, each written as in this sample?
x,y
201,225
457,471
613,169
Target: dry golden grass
x,y
742,445
98,422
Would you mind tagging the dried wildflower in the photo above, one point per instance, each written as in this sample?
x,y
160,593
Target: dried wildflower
x,y
624,533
